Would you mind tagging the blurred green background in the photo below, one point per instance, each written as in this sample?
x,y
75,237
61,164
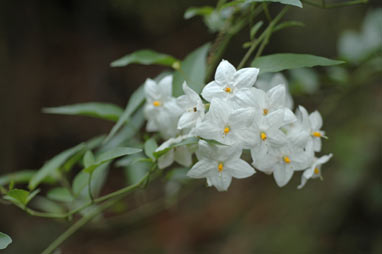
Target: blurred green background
x,y
58,52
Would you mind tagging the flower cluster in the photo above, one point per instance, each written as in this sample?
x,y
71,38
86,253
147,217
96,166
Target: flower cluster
x,y
238,115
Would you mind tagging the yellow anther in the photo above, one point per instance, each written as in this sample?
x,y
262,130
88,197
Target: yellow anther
x,y
286,159
227,89
263,136
176,65
316,171
226,130
265,111
220,167
316,134
156,103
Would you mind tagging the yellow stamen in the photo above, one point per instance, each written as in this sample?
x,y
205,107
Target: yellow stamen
x,y
316,171
286,159
265,111
220,167
227,89
316,134
156,103
263,136
226,130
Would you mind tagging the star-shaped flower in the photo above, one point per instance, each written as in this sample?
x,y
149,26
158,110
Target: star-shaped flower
x,y
315,170
219,164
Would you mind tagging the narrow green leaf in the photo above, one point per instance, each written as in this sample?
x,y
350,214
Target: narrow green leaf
x,y
137,168
32,195
255,29
60,194
145,57
93,109
52,165
88,159
287,2
194,11
17,196
5,240
136,99
80,182
287,24
192,70
187,141
287,61
18,177
149,148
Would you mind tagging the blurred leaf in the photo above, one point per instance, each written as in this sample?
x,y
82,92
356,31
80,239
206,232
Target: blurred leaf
x,y
178,174
47,205
303,80
17,177
60,194
88,159
202,11
5,240
136,99
187,141
20,197
110,155
53,164
255,29
192,70
145,57
137,168
79,182
150,147
287,2
287,24
93,109
285,61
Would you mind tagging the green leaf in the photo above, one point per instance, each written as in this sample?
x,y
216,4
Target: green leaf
x,y
60,194
93,109
287,61
287,2
145,57
53,164
149,147
17,177
192,70
89,159
110,155
255,29
136,99
288,24
20,197
194,11
187,141
5,240
137,168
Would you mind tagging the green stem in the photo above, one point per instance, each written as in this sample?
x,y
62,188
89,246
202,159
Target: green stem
x,y
324,5
90,187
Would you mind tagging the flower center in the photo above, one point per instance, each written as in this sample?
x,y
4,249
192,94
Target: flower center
x,y
220,167
263,136
316,134
195,109
316,171
265,111
227,89
156,103
286,159
226,130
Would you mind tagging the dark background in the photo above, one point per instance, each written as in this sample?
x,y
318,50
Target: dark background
x,y
58,52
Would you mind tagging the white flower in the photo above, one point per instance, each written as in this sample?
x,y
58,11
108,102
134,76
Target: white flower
x,y
219,164
161,109
193,108
266,102
180,154
315,170
269,136
268,81
311,125
228,81
226,125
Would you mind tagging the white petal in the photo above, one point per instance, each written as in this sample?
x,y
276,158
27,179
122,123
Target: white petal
x,y
151,126
202,169
224,73
166,160
183,156
238,168
221,181
245,77
315,120
166,86
151,89
303,182
241,117
276,96
317,144
213,90
187,120
282,174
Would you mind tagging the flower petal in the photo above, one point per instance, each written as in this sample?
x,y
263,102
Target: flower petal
x,y
224,73
165,85
166,159
245,77
276,97
282,174
213,90
315,120
221,181
183,156
238,168
201,169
